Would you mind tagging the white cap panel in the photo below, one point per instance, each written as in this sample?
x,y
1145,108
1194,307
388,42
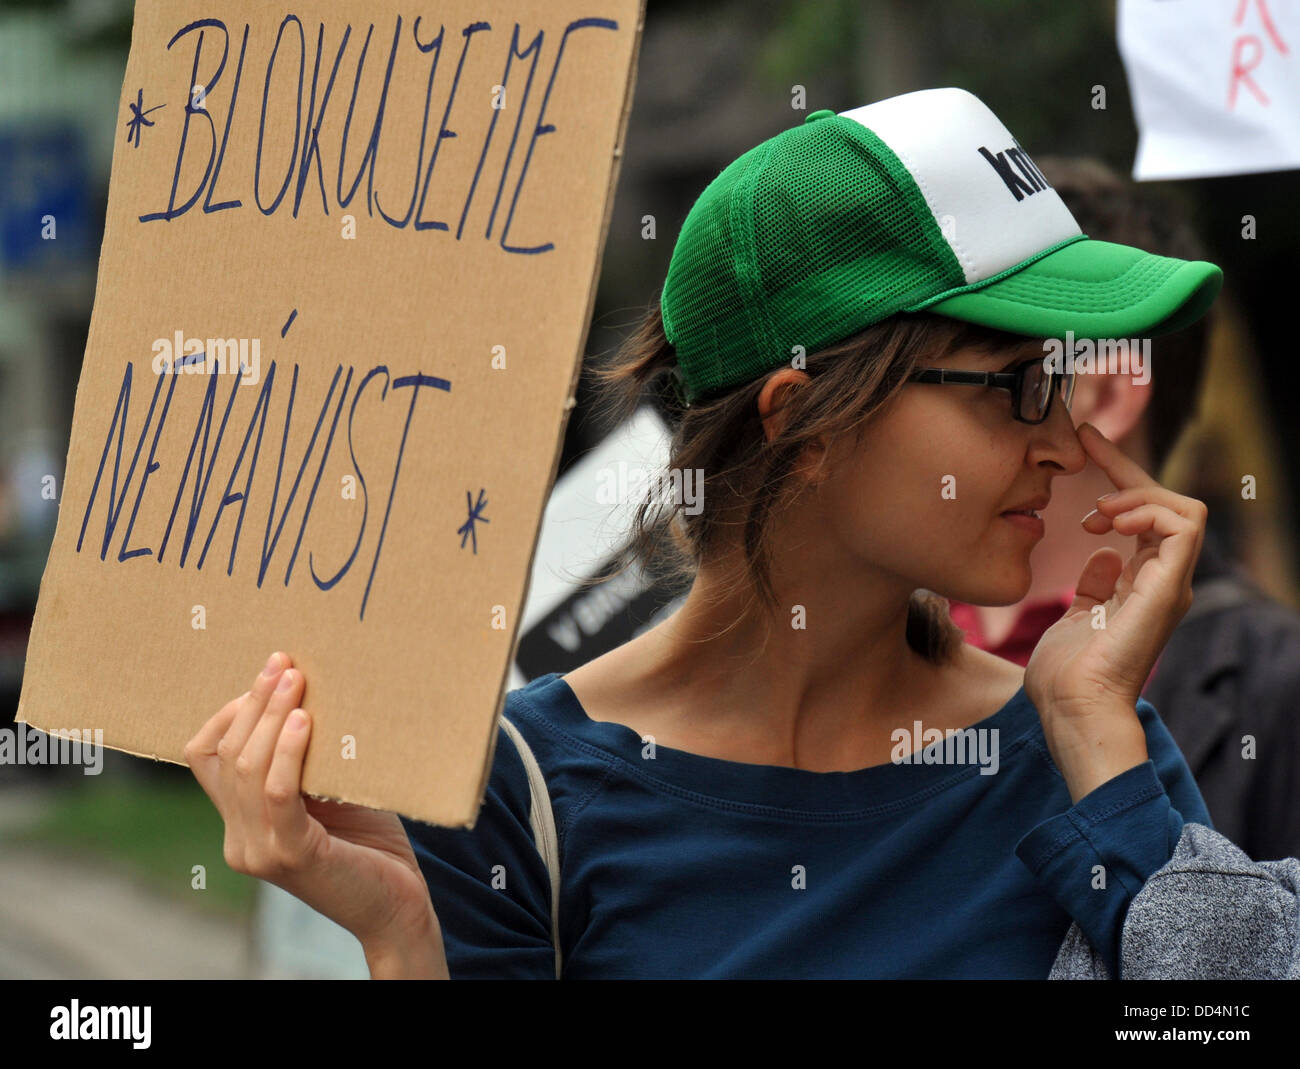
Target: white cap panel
x,y
991,203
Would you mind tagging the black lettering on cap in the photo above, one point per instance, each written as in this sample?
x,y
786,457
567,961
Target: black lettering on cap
x,y
1016,170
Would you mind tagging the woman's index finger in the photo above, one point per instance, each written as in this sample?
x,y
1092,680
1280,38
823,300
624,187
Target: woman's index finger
x,y
1122,469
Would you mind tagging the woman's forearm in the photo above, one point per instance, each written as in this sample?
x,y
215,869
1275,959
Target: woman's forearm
x,y
409,955
1094,749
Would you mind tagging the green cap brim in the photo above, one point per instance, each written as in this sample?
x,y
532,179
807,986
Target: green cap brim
x,y
1093,289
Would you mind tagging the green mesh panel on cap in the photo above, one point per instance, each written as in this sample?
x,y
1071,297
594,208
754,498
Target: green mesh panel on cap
x,y
805,239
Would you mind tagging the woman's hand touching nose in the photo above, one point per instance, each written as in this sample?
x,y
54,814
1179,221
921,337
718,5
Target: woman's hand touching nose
x,y
1088,669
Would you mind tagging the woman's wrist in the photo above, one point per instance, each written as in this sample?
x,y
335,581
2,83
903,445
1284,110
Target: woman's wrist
x,y
408,954
1092,750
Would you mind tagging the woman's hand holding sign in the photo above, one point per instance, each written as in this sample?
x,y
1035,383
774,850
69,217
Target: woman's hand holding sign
x,y
352,864
1089,668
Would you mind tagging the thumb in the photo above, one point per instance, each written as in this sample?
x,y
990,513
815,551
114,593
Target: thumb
x,y
1097,581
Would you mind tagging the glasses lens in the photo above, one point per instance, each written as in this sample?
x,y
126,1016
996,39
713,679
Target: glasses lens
x,y
1067,388
1035,391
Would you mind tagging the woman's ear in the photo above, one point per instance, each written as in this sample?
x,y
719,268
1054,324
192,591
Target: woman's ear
x,y
1113,402
773,396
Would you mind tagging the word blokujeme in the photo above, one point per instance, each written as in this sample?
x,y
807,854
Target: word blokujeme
x,y
336,73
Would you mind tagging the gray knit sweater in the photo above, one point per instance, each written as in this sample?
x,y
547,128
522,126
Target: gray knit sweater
x,y
1211,913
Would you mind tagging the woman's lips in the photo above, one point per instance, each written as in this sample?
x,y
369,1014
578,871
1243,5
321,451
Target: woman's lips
x,y
1027,522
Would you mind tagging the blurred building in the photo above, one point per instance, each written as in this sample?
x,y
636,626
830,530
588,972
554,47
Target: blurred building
x,y
58,109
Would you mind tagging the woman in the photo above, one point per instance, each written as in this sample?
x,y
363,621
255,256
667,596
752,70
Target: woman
x,y
804,772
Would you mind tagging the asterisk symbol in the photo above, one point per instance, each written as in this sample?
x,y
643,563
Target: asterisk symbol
x,y
466,529
138,119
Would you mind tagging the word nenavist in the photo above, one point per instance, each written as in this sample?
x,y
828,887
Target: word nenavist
x,y
238,446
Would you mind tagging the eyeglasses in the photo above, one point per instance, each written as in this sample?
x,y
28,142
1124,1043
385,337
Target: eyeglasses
x,y
1032,386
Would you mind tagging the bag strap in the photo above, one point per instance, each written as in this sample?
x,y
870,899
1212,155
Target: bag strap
x,y
541,817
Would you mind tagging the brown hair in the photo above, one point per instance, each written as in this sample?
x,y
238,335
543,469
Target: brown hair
x,y
746,478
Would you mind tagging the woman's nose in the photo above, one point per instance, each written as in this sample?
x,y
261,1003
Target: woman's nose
x,y
1056,441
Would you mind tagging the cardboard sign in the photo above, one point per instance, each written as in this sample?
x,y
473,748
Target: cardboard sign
x,y
1216,85
347,274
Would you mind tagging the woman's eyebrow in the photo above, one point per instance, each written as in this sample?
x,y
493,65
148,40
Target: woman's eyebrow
x,y
1028,351
1004,360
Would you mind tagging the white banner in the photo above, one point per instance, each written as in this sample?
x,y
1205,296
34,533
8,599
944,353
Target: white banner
x,y
1215,84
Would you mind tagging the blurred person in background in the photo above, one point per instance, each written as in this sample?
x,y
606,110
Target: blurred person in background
x,y
1227,685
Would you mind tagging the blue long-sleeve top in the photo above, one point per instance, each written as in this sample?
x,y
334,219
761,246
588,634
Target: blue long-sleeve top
x,y
678,865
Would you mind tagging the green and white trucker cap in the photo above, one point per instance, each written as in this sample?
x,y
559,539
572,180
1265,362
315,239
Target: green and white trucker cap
x,y
920,202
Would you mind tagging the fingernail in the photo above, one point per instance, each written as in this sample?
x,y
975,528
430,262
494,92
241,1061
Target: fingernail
x,y
1089,516
1107,497
286,681
273,665
297,720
